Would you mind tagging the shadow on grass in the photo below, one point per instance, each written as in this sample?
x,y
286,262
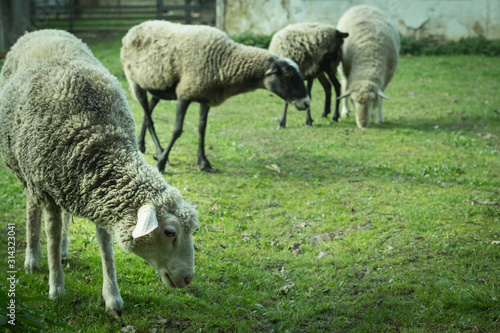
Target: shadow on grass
x,y
456,123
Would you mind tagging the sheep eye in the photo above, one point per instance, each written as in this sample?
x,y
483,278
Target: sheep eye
x,y
169,233
287,75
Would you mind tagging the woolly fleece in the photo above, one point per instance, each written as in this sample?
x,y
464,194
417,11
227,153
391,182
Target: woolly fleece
x,y
307,44
207,66
370,54
67,133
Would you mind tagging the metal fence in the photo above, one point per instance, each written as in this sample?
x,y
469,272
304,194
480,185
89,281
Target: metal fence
x,y
117,15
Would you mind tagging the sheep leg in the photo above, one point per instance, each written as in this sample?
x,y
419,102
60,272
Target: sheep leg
x,y
53,229
327,87
33,230
336,86
142,97
380,117
309,120
110,290
345,101
283,119
182,106
65,236
141,142
203,162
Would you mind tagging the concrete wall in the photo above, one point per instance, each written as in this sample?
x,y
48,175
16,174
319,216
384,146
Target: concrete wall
x,y
444,19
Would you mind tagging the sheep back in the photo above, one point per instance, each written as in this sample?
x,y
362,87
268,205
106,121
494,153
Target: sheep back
x,y
200,62
64,123
371,51
305,43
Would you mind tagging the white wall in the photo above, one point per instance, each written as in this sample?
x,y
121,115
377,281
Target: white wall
x,y
447,19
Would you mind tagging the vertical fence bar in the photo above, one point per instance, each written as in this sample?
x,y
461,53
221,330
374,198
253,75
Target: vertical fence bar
x,y
188,12
71,14
159,9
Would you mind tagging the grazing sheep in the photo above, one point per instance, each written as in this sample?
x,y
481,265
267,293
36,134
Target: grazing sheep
x,y
369,61
67,133
317,49
200,64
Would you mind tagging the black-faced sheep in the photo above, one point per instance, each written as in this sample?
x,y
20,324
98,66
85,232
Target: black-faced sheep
x,y
200,64
317,49
67,133
369,61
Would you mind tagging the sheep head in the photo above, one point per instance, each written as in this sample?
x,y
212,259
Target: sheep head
x,y
164,240
366,97
283,78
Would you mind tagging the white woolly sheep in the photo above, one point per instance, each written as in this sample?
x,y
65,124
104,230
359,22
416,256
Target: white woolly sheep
x,y
201,64
370,59
317,49
67,133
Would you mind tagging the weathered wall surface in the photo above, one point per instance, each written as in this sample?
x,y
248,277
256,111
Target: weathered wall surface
x,y
446,19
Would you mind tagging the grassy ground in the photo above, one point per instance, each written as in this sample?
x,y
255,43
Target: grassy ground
x,y
393,230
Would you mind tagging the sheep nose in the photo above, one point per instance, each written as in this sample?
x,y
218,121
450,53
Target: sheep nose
x,y
302,104
188,279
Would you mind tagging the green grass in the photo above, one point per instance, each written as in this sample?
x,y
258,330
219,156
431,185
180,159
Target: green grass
x,y
392,230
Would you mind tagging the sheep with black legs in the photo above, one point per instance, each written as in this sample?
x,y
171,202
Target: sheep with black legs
x,y
201,64
369,61
317,49
67,133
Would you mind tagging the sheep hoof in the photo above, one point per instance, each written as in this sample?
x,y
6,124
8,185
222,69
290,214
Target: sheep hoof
x,y
31,269
117,314
206,166
161,165
309,122
31,265
56,293
209,169
281,126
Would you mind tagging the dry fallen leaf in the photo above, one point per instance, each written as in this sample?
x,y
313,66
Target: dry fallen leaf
x,y
315,239
296,248
246,237
487,203
286,288
321,255
274,167
214,207
128,329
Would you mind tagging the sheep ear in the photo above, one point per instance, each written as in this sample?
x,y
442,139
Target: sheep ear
x,y
146,221
273,70
381,94
342,34
347,93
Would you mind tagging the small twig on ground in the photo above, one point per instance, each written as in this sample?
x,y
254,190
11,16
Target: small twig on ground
x,y
487,203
